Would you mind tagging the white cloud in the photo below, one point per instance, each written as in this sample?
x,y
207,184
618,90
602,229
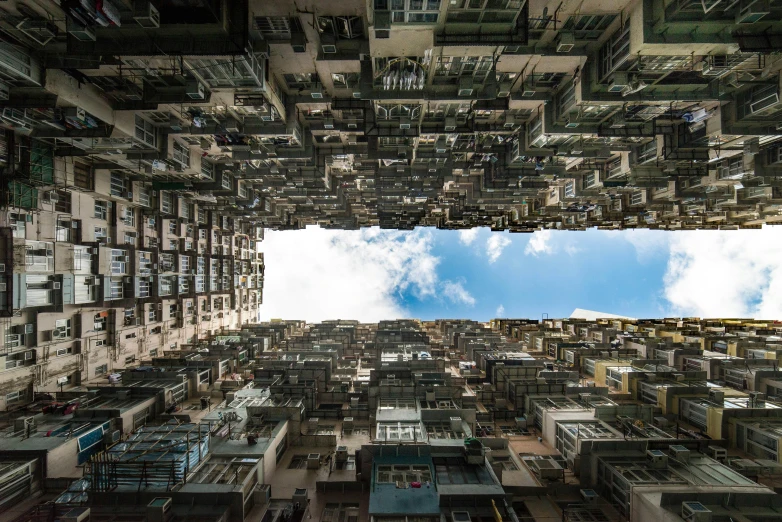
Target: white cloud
x,y
454,291
725,273
318,274
648,243
539,243
572,250
495,245
500,312
468,235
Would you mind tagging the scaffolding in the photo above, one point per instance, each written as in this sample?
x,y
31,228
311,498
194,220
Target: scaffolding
x,y
157,457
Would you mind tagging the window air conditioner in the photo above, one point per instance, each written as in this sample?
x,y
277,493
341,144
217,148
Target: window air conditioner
x,y
465,86
460,516
382,24
328,123
55,285
450,123
404,123
299,43
146,15
752,11
328,43
565,42
504,91
619,82
81,32
3,287
195,90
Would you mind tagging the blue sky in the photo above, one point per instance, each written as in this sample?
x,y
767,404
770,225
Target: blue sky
x,y
373,274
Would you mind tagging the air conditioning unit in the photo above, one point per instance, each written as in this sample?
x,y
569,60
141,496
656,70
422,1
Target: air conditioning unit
x,y
570,124
510,122
590,496
504,90
53,196
565,42
404,123
328,43
5,92
195,90
619,82
81,32
466,87
328,123
42,31
766,103
299,42
450,123
56,285
751,11
2,267
382,24
695,512
317,92
460,516
146,15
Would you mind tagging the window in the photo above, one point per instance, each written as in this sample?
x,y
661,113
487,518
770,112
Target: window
x,y
184,262
301,80
101,209
347,27
410,11
404,473
117,184
130,359
152,316
129,217
101,232
82,176
153,352
345,80
181,154
101,370
62,329
144,196
281,447
145,132
166,202
100,323
588,27
119,260
483,11
116,289
277,27
17,396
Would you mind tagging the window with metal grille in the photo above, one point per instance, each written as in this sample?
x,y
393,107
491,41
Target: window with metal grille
x,y
181,154
101,370
145,132
483,11
101,209
117,184
277,27
410,11
165,202
144,196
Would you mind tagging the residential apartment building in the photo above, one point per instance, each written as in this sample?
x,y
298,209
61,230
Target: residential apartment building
x,y
397,113
606,420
